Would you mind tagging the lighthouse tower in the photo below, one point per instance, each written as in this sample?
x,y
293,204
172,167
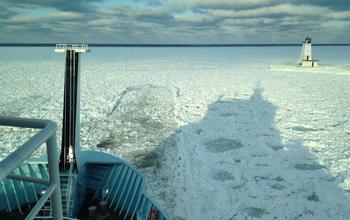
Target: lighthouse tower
x,y
305,58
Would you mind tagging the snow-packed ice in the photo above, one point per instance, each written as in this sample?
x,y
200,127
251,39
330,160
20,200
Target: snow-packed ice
x,y
218,132
292,67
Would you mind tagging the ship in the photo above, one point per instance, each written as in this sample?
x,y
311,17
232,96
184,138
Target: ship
x,y
69,183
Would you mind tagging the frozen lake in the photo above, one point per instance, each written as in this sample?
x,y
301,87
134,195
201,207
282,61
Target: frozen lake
x,y
217,134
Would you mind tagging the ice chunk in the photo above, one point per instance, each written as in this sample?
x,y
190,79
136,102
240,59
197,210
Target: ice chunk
x,y
222,145
302,128
308,166
256,212
313,197
223,175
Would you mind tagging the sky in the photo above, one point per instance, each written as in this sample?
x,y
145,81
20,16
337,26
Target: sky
x,y
174,21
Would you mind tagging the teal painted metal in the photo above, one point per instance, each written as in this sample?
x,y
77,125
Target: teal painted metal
x,y
112,179
15,162
126,190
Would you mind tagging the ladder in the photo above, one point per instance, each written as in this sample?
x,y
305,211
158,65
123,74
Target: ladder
x,y
66,180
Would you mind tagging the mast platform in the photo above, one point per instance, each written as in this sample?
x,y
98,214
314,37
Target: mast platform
x,y
78,48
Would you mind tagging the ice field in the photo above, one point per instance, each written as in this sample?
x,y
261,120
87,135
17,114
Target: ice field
x,y
217,133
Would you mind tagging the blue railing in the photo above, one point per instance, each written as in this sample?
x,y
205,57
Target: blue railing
x,y
15,159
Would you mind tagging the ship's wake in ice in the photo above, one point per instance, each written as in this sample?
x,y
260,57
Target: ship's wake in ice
x,y
140,117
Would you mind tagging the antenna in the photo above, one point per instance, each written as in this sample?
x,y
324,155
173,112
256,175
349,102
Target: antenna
x,y
70,146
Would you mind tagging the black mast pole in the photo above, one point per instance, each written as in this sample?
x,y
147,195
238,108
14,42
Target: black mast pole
x,y
70,145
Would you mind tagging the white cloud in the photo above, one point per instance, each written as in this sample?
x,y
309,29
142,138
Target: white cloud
x,y
101,22
62,15
248,21
20,19
192,17
180,21
285,9
339,15
216,4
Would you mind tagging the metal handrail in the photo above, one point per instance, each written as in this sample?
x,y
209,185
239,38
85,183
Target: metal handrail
x,y
11,162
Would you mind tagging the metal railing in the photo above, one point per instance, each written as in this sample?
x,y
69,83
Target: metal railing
x,y
11,162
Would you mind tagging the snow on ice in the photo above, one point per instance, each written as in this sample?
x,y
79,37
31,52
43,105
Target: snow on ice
x,y
217,132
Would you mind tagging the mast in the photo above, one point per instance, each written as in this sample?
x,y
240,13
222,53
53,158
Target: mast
x,y
70,145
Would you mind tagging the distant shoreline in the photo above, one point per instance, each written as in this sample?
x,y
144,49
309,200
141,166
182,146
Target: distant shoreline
x,y
165,45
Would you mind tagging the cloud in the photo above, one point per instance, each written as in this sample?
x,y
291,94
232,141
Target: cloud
x,y
101,22
219,4
20,19
192,17
172,21
332,4
6,12
64,5
343,15
273,11
63,16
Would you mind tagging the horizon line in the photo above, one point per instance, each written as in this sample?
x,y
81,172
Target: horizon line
x,y
166,45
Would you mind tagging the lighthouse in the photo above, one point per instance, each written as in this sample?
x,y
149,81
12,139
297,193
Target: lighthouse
x,y
305,58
